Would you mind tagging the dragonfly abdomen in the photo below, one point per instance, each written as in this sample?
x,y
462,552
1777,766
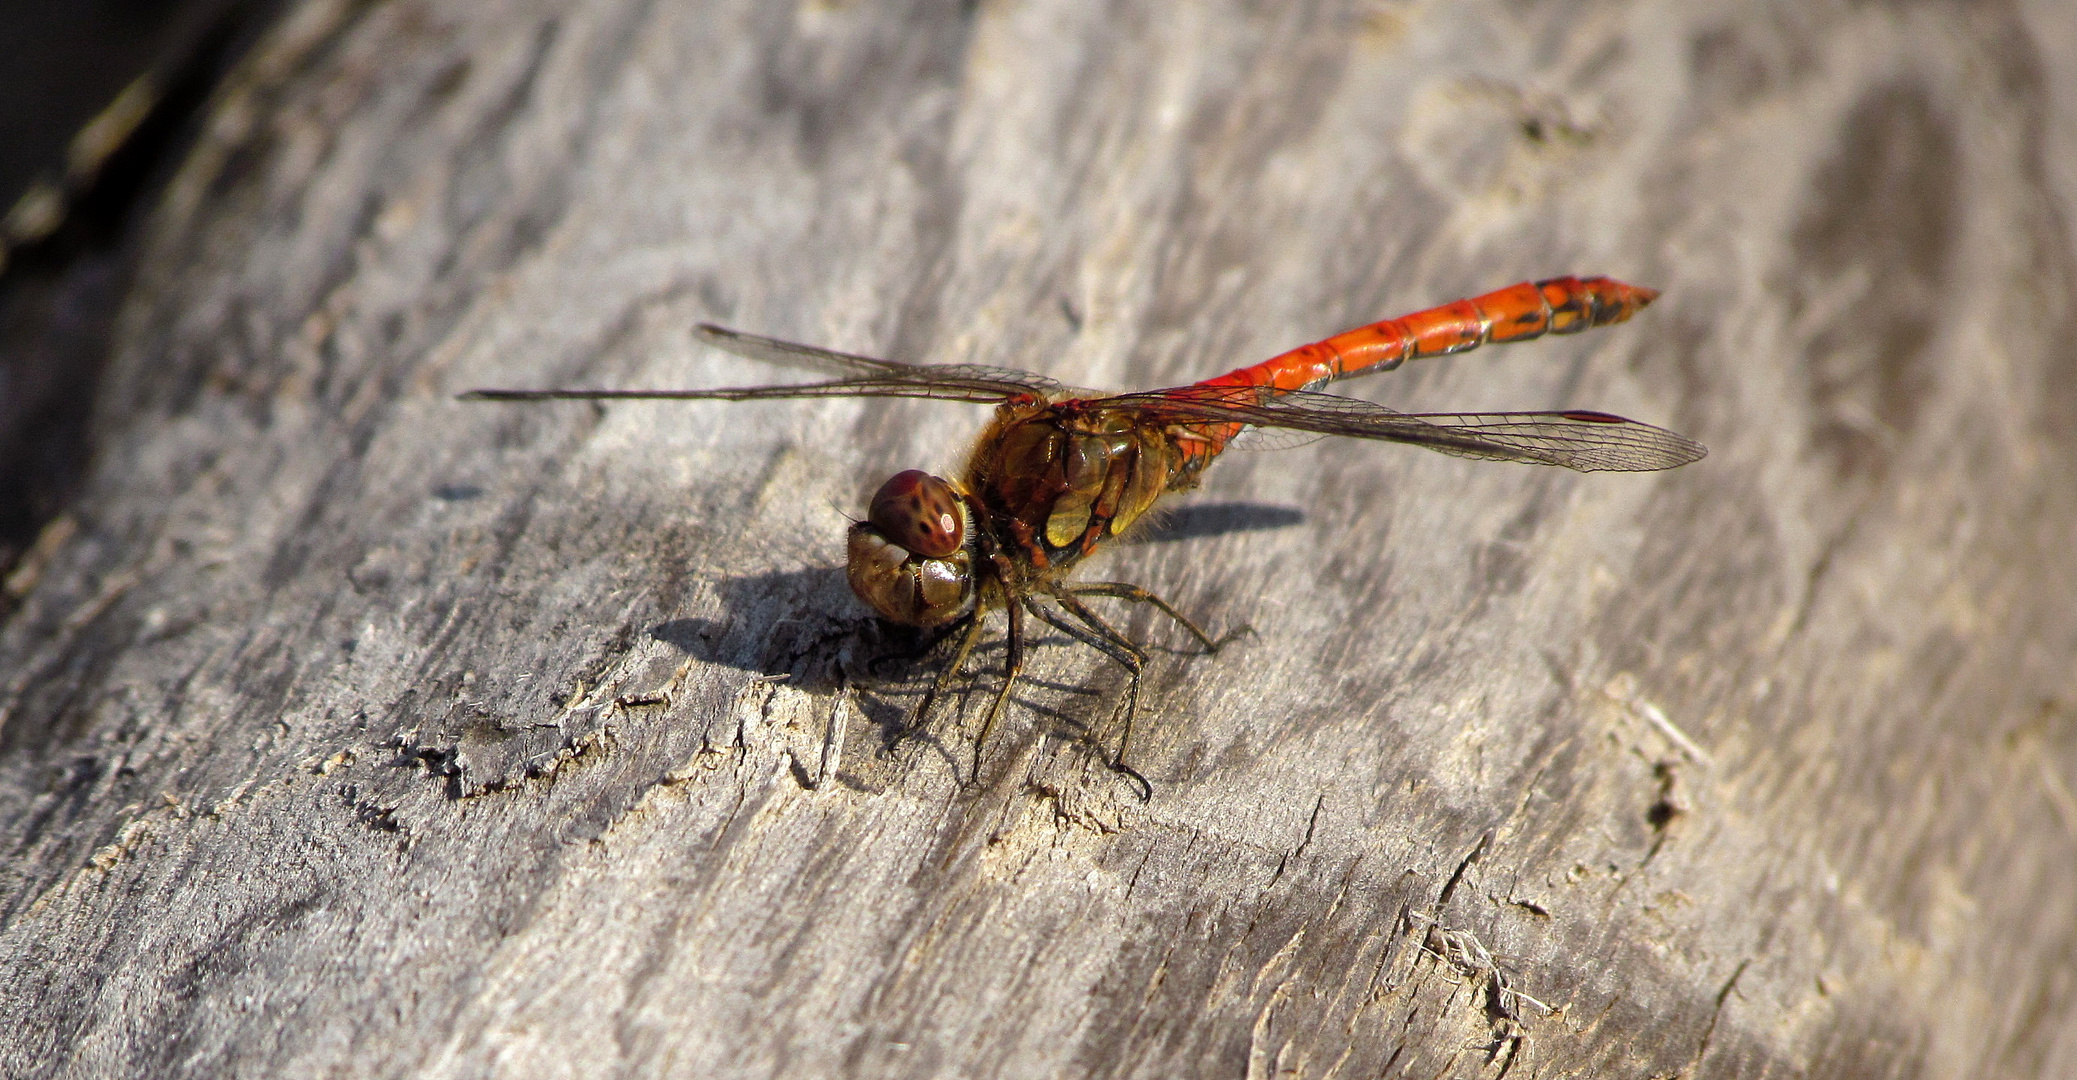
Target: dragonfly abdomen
x,y
1531,309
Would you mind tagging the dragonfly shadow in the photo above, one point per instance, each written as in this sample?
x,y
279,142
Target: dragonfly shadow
x,y
1216,519
805,625
802,624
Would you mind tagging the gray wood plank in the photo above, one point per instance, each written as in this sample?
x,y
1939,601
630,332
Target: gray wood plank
x,y
350,729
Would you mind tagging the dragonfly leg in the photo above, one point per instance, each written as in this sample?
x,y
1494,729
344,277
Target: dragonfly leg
x,y
932,639
974,627
1105,638
1124,590
1013,666
1095,634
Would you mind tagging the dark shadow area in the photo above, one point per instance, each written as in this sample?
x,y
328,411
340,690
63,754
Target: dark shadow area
x,y
1216,519
804,626
798,623
99,101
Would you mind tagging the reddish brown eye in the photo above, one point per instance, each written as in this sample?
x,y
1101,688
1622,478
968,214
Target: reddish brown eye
x,y
919,512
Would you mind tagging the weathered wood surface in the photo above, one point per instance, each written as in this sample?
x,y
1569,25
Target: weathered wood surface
x,y
312,758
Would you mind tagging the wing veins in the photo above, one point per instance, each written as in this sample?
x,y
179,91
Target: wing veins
x,y
1006,382
866,376
1584,441
890,388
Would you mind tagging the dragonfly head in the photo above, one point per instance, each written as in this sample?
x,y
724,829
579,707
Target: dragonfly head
x,y
908,558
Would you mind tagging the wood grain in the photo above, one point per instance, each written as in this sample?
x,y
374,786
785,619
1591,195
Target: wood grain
x,y
353,730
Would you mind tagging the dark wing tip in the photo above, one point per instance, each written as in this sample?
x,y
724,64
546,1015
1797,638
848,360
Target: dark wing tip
x,y
1642,447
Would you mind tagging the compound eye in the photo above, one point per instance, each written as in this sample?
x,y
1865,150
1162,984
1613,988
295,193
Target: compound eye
x,y
919,512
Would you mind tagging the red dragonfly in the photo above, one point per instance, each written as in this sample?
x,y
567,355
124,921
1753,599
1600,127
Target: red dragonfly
x,y
1057,473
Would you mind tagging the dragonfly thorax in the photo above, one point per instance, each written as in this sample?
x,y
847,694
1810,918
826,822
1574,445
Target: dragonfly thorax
x,y
1057,481
910,558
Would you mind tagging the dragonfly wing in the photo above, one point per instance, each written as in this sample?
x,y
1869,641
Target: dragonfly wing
x,y
1575,439
1253,439
948,389
997,382
860,376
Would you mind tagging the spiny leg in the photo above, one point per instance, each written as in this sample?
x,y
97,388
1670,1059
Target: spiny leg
x,y
1116,646
1013,665
1129,655
975,626
1125,590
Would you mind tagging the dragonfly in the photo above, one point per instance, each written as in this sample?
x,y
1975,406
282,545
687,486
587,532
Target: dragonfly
x,y
1058,472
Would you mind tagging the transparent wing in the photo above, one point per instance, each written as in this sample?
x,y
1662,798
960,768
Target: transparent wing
x,y
1576,439
862,376
1253,439
992,382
